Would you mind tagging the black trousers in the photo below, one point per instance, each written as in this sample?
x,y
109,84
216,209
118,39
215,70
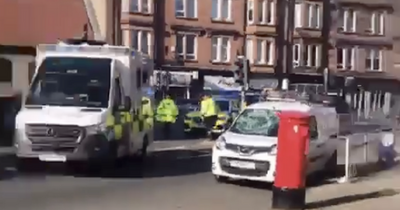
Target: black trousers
x,y
166,127
210,121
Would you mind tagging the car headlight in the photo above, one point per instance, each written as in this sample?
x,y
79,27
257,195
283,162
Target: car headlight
x,y
273,150
220,143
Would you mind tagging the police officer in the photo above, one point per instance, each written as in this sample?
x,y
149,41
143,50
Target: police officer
x,y
208,110
167,113
147,112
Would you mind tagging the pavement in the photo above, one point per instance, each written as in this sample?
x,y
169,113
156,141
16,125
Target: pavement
x,y
176,176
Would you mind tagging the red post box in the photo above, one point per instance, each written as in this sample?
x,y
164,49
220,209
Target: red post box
x,y
293,137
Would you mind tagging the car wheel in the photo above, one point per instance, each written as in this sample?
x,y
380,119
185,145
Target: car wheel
x,y
330,169
214,136
221,179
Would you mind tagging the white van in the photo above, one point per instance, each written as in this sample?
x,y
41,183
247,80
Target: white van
x,y
247,149
75,90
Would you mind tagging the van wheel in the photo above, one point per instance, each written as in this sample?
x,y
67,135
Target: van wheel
x,y
26,165
221,179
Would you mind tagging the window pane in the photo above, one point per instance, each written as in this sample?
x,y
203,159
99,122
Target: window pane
x,y
250,10
296,55
305,55
259,50
269,10
267,51
313,55
224,49
214,50
214,9
260,10
134,39
225,9
191,8
134,5
190,43
349,58
179,43
339,57
179,8
145,6
144,42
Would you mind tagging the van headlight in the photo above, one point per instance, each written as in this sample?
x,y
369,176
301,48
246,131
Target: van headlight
x,y
97,128
273,150
220,143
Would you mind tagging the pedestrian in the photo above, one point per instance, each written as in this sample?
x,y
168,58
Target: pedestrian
x,y
208,110
166,114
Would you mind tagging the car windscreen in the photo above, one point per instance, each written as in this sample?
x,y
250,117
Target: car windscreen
x,y
263,122
71,81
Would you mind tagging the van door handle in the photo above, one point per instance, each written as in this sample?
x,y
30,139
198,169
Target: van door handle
x,y
333,136
320,145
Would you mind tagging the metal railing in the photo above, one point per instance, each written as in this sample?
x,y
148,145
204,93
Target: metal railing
x,y
369,149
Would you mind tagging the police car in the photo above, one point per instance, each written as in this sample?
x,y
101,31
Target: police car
x,y
247,149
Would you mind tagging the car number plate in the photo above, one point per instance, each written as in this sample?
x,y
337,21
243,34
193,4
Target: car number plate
x,y
52,158
243,164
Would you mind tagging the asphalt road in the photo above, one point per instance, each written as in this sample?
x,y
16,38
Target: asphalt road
x,y
171,179
176,176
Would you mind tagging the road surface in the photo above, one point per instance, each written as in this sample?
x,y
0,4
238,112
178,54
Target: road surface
x,y
177,176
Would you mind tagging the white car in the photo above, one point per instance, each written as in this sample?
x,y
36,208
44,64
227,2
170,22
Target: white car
x,y
247,149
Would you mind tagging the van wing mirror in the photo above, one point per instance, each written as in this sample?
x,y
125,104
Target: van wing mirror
x,y
128,103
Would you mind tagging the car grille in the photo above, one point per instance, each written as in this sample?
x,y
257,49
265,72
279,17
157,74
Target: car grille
x,y
247,150
54,136
262,167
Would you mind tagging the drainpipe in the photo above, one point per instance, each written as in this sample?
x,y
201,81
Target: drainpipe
x,y
94,23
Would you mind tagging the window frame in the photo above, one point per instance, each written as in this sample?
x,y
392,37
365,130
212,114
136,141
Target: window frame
x,y
184,53
140,6
250,12
264,54
296,62
310,16
220,10
381,19
346,15
185,9
299,18
308,49
219,47
267,8
345,64
371,56
139,34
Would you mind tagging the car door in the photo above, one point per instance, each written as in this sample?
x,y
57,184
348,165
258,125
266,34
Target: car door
x,y
316,145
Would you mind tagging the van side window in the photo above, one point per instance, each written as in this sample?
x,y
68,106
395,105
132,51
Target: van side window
x,y
139,78
145,77
313,129
117,93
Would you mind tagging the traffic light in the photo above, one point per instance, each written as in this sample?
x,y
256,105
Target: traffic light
x,y
241,70
238,71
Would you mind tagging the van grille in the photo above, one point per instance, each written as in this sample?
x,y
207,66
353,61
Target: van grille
x,y
62,135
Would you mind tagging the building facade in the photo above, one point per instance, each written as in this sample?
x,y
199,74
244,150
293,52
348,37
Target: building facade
x,y
351,38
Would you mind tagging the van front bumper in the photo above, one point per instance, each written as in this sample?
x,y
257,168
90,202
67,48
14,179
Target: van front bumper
x,y
90,147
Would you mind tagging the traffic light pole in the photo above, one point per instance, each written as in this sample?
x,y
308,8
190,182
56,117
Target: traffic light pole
x,y
243,98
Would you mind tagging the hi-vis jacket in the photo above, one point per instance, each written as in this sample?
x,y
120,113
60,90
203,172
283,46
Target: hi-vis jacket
x,y
167,111
139,121
147,113
208,107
